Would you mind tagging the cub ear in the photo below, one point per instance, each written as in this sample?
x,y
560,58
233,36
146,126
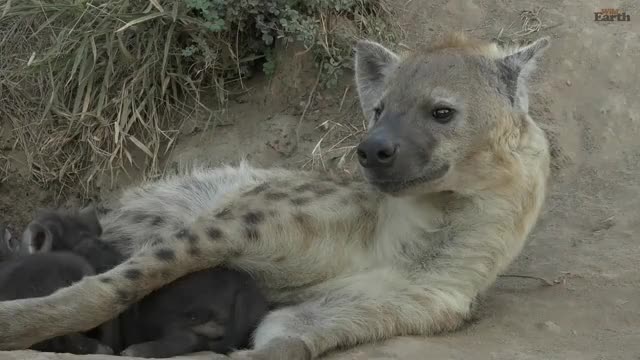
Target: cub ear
x,y
8,245
515,70
36,238
373,63
89,217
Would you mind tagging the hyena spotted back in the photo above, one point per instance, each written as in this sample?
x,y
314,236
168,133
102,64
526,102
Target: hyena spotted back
x,y
454,177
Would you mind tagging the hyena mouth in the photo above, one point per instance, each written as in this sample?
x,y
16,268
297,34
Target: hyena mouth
x,y
395,186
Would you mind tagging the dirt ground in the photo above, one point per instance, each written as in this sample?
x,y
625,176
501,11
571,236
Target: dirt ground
x,y
586,93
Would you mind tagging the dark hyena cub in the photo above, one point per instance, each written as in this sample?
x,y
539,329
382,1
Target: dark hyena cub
x,y
24,275
215,309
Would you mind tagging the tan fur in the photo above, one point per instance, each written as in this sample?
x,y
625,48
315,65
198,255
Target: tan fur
x,y
350,271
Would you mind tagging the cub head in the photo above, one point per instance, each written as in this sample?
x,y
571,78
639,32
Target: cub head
x,y
437,113
59,230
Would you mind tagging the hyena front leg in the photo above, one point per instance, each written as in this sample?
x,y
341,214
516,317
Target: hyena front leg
x,y
97,299
94,299
354,310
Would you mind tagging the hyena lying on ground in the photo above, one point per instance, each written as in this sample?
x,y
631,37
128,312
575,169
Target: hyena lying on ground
x,y
456,175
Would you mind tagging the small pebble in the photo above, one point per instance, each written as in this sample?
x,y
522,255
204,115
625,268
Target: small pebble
x,y
551,326
568,82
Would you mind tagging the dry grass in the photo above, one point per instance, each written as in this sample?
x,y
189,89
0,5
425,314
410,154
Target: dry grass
x,y
336,148
96,87
86,85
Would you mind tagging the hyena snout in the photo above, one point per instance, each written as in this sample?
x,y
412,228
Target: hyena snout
x,y
394,156
377,151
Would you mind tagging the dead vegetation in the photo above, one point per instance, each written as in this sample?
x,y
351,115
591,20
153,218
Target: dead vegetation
x,y
93,87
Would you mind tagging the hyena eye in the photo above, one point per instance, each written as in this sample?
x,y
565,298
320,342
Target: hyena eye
x,y
442,115
377,111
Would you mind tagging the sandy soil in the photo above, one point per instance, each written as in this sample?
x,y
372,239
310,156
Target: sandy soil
x,y
587,95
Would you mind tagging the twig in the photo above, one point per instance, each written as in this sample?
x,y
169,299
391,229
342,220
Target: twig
x,y
344,96
306,107
543,280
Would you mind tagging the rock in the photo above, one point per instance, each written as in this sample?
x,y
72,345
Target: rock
x,y
550,326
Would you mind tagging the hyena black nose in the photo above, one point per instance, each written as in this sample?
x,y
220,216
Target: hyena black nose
x,y
377,151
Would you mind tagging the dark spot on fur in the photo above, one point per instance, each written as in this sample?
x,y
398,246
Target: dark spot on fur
x,y
303,187
275,196
300,201
253,217
194,251
279,259
186,234
305,222
157,221
234,253
319,189
405,249
165,254
106,280
214,233
165,274
132,274
323,191
258,189
252,234
124,297
225,214
138,218
344,201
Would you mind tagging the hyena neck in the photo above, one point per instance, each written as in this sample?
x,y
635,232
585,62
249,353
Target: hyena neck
x,y
415,222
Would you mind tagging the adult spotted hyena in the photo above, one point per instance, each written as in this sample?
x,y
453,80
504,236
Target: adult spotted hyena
x,y
455,175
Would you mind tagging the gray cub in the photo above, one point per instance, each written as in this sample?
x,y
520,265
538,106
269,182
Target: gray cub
x,y
215,309
24,275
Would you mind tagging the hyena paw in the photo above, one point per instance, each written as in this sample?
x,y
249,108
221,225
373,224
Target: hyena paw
x,y
277,349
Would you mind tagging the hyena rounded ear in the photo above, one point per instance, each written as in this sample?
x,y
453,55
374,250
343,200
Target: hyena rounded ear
x,y
373,63
36,238
515,68
12,244
89,216
8,244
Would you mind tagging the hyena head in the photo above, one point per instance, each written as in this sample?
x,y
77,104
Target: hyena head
x,y
437,115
